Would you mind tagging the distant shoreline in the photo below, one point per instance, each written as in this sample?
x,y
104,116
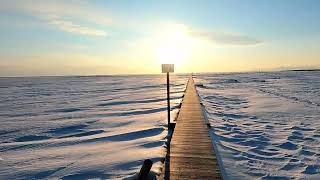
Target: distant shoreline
x,y
305,70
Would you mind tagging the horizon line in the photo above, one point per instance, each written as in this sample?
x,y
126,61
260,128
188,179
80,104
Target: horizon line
x,y
180,73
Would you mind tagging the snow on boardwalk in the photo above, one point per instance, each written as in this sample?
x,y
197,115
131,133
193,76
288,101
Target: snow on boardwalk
x,y
191,154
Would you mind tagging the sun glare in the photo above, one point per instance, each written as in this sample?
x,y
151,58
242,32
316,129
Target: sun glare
x,y
172,46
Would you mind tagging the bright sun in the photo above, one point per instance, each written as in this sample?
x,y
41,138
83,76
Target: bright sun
x,y
172,46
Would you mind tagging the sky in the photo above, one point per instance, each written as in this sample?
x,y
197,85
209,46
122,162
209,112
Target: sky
x,y
97,37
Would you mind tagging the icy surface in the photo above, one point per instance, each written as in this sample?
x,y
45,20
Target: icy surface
x,y
83,127
266,125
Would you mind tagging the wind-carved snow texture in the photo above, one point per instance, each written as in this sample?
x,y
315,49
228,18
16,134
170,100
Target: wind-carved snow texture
x,y
99,127
266,125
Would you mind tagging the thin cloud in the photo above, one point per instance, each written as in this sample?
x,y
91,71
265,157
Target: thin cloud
x,y
224,38
76,9
65,15
69,26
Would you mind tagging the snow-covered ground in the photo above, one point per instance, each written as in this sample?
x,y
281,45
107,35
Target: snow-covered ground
x,y
83,127
265,125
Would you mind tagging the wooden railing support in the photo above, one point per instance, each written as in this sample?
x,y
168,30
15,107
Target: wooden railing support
x,y
145,169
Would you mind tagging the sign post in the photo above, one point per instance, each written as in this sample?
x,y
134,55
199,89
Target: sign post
x,y
168,68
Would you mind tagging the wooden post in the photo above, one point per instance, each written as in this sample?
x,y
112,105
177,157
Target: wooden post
x,y
168,99
145,169
168,68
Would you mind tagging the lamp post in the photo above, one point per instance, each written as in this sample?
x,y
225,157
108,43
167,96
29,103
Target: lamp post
x,y
168,68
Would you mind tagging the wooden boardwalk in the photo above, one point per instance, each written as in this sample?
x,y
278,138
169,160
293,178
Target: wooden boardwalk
x,y
191,155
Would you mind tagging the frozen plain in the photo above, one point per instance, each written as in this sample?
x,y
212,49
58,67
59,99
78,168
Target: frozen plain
x,y
83,127
265,125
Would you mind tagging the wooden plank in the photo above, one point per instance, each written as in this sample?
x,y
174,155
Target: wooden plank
x,y
191,155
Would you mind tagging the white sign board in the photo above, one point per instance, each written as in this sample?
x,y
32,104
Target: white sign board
x,y
167,68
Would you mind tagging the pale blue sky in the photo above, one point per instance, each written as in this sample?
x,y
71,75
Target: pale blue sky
x,y
111,37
